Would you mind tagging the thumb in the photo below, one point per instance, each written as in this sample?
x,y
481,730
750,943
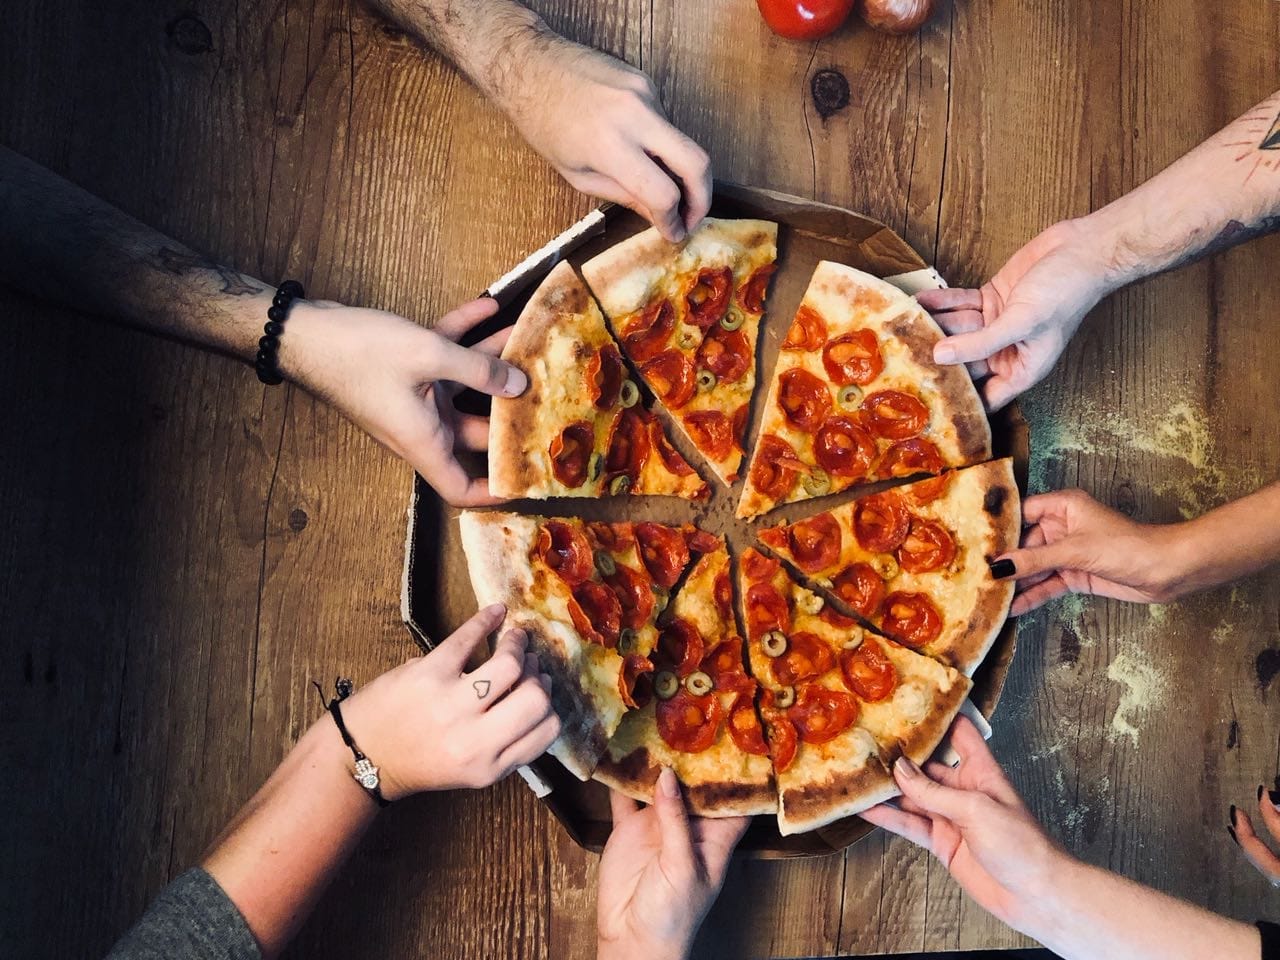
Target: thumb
x,y
931,796
1013,324
476,369
1070,553
673,825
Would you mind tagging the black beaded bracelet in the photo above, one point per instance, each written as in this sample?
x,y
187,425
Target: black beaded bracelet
x,y
267,361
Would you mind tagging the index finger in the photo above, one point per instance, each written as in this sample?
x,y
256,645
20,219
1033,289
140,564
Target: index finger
x,y
621,806
689,164
455,650
950,298
463,317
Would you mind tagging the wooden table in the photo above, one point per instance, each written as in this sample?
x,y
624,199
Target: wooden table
x,y
181,550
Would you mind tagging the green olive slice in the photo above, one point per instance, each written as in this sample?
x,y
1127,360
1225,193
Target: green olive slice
x,y
817,482
885,565
784,698
628,394
853,640
849,397
687,340
774,643
594,465
733,319
666,685
698,683
619,485
627,640
660,600
705,380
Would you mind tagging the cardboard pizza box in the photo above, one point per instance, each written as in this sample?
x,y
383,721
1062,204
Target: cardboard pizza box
x,y
436,590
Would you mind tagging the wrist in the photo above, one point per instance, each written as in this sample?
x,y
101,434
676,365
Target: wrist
x,y
643,949
1045,904
1109,233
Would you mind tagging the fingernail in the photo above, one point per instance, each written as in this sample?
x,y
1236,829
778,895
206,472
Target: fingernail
x,y
944,353
1274,797
1231,830
516,382
668,786
1233,815
1259,793
1003,568
906,767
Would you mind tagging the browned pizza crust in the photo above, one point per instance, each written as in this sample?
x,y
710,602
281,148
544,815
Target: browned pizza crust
x,y
636,772
819,803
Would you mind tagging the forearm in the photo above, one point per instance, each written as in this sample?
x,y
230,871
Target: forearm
x,y
1228,543
1225,191
1090,914
61,243
277,855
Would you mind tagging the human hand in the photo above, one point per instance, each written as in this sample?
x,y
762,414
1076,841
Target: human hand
x,y
397,381
430,725
1255,851
1013,329
974,822
600,124
659,874
1072,543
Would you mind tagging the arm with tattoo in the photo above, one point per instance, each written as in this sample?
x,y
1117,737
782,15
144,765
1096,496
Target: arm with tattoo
x,y
1013,328
392,377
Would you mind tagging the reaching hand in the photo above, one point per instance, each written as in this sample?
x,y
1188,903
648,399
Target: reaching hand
x,y
974,822
659,874
397,381
598,121
1014,328
430,725
1255,851
1072,543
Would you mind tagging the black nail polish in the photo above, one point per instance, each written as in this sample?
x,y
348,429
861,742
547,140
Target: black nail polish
x,y
1259,793
1233,815
1274,797
1231,830
1003,568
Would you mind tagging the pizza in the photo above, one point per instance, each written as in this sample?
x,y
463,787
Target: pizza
x,y
700,716
589,596
913,560
839,702
856,396
581,428
687,316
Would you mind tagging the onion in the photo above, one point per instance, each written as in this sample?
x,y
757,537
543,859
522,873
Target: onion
x,y
896,16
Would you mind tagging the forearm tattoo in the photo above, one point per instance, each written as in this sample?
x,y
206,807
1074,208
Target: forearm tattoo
x,y
179,264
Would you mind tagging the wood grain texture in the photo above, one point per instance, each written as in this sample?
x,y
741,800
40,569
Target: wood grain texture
x,y
181,551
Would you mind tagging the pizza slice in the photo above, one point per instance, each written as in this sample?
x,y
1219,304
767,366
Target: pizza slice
x,y
913,560
589,596
840,704
688,316
857,397
580,429
701,720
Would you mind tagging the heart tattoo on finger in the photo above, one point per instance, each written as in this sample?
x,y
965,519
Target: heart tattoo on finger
x,y
481,688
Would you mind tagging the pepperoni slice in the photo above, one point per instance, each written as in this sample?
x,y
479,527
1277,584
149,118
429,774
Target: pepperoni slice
x,y
671,376
635,596
906,457
804,399
740,424
680,644
757,567
689,723
807,656
615,537
775,467
664,552
571,451
853,358
911,618
671,459
564,548
881,522
744,726
605,374
699,541
766,610
868,672
711,432
751,294
628,446
602,610
860,587
708,298
895,415
808,330
844,448
834,618
724,659
726,353
635,680
929,545
723,594
927,491
815,542
781,732
821,714
649,332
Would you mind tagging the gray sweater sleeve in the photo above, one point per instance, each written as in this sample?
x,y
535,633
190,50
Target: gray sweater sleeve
x,y
191,919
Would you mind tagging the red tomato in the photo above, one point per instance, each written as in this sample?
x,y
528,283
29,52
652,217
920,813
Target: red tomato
x,y
804,19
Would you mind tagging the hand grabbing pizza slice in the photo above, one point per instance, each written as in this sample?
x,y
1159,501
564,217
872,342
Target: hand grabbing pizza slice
x,y
580,429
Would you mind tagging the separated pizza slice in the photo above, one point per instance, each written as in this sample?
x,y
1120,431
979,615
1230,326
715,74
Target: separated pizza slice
x,y
839,702
688,316
914,560
857,397
580,429
701,720
589,597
